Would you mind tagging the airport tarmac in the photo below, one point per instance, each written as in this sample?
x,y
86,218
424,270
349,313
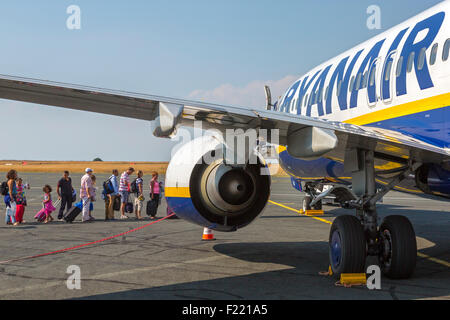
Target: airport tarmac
x,y
279,256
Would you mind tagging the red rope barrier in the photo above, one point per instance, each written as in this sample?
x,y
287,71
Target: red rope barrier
x,y
86,244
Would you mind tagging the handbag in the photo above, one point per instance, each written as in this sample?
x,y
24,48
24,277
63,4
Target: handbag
x,y
116,204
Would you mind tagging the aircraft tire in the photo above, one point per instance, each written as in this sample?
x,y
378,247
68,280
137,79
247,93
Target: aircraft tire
x,y
347,246
318,205
398,247
306,203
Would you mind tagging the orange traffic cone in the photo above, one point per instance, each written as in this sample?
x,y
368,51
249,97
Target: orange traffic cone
x,y
208,235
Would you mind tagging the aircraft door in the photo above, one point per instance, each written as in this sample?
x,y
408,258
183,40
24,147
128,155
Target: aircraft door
x,y
372,94
387,76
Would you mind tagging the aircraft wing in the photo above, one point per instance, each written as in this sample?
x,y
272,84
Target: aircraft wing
x,y
179,112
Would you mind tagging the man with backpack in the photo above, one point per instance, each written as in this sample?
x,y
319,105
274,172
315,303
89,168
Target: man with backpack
x,y
111,193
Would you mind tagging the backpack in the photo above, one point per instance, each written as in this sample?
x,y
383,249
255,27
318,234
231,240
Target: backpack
x,y
108,187
4,189
134,187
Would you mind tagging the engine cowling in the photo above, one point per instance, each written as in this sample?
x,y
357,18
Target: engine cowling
x,y
433,179
202,189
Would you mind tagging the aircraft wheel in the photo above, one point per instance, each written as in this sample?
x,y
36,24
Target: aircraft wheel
x,y
398,247
318,205
306,203
347,246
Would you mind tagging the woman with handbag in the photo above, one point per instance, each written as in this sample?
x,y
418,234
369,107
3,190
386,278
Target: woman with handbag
x,y
10,198
155,193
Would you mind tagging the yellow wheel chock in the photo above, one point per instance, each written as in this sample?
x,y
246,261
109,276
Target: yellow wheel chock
x,y
352,279
312,212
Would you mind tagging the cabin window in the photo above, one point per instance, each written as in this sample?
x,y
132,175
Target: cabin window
x,y
320,95
410,62
358,81
422,57
399,66
365,78
446,49
372,75
433,54
352,83
387,72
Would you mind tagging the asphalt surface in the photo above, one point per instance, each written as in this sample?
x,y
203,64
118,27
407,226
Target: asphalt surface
x,y
279,256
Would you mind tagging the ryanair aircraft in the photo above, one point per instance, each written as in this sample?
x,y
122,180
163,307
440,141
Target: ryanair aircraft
x,y
374,119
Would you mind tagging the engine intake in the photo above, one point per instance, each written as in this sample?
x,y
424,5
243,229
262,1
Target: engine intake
x,y
211,193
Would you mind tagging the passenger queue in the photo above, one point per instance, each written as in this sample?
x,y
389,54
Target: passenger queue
x,y
116,192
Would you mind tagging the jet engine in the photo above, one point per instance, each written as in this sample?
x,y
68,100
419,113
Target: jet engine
x,y
203,189
433,179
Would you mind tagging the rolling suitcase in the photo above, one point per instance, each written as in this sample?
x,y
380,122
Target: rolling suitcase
x,y
116,204
41,215
71,215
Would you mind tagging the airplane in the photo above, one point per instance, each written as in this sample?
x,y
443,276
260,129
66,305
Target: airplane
x,y
373,119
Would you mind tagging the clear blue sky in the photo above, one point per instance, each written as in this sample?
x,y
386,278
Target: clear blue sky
x,y
175,48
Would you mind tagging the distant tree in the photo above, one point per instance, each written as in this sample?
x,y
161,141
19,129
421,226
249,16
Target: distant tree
x,y
97,160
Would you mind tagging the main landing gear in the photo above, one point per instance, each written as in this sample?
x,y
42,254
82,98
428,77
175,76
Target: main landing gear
x,y
353,238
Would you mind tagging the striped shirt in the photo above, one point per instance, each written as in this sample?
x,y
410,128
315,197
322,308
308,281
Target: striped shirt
x,y
86,184
124,182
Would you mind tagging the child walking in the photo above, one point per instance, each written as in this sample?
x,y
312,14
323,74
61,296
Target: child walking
x,y
21,200
45,214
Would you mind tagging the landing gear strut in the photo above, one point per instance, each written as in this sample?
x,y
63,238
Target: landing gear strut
x,y
312,200
352,238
